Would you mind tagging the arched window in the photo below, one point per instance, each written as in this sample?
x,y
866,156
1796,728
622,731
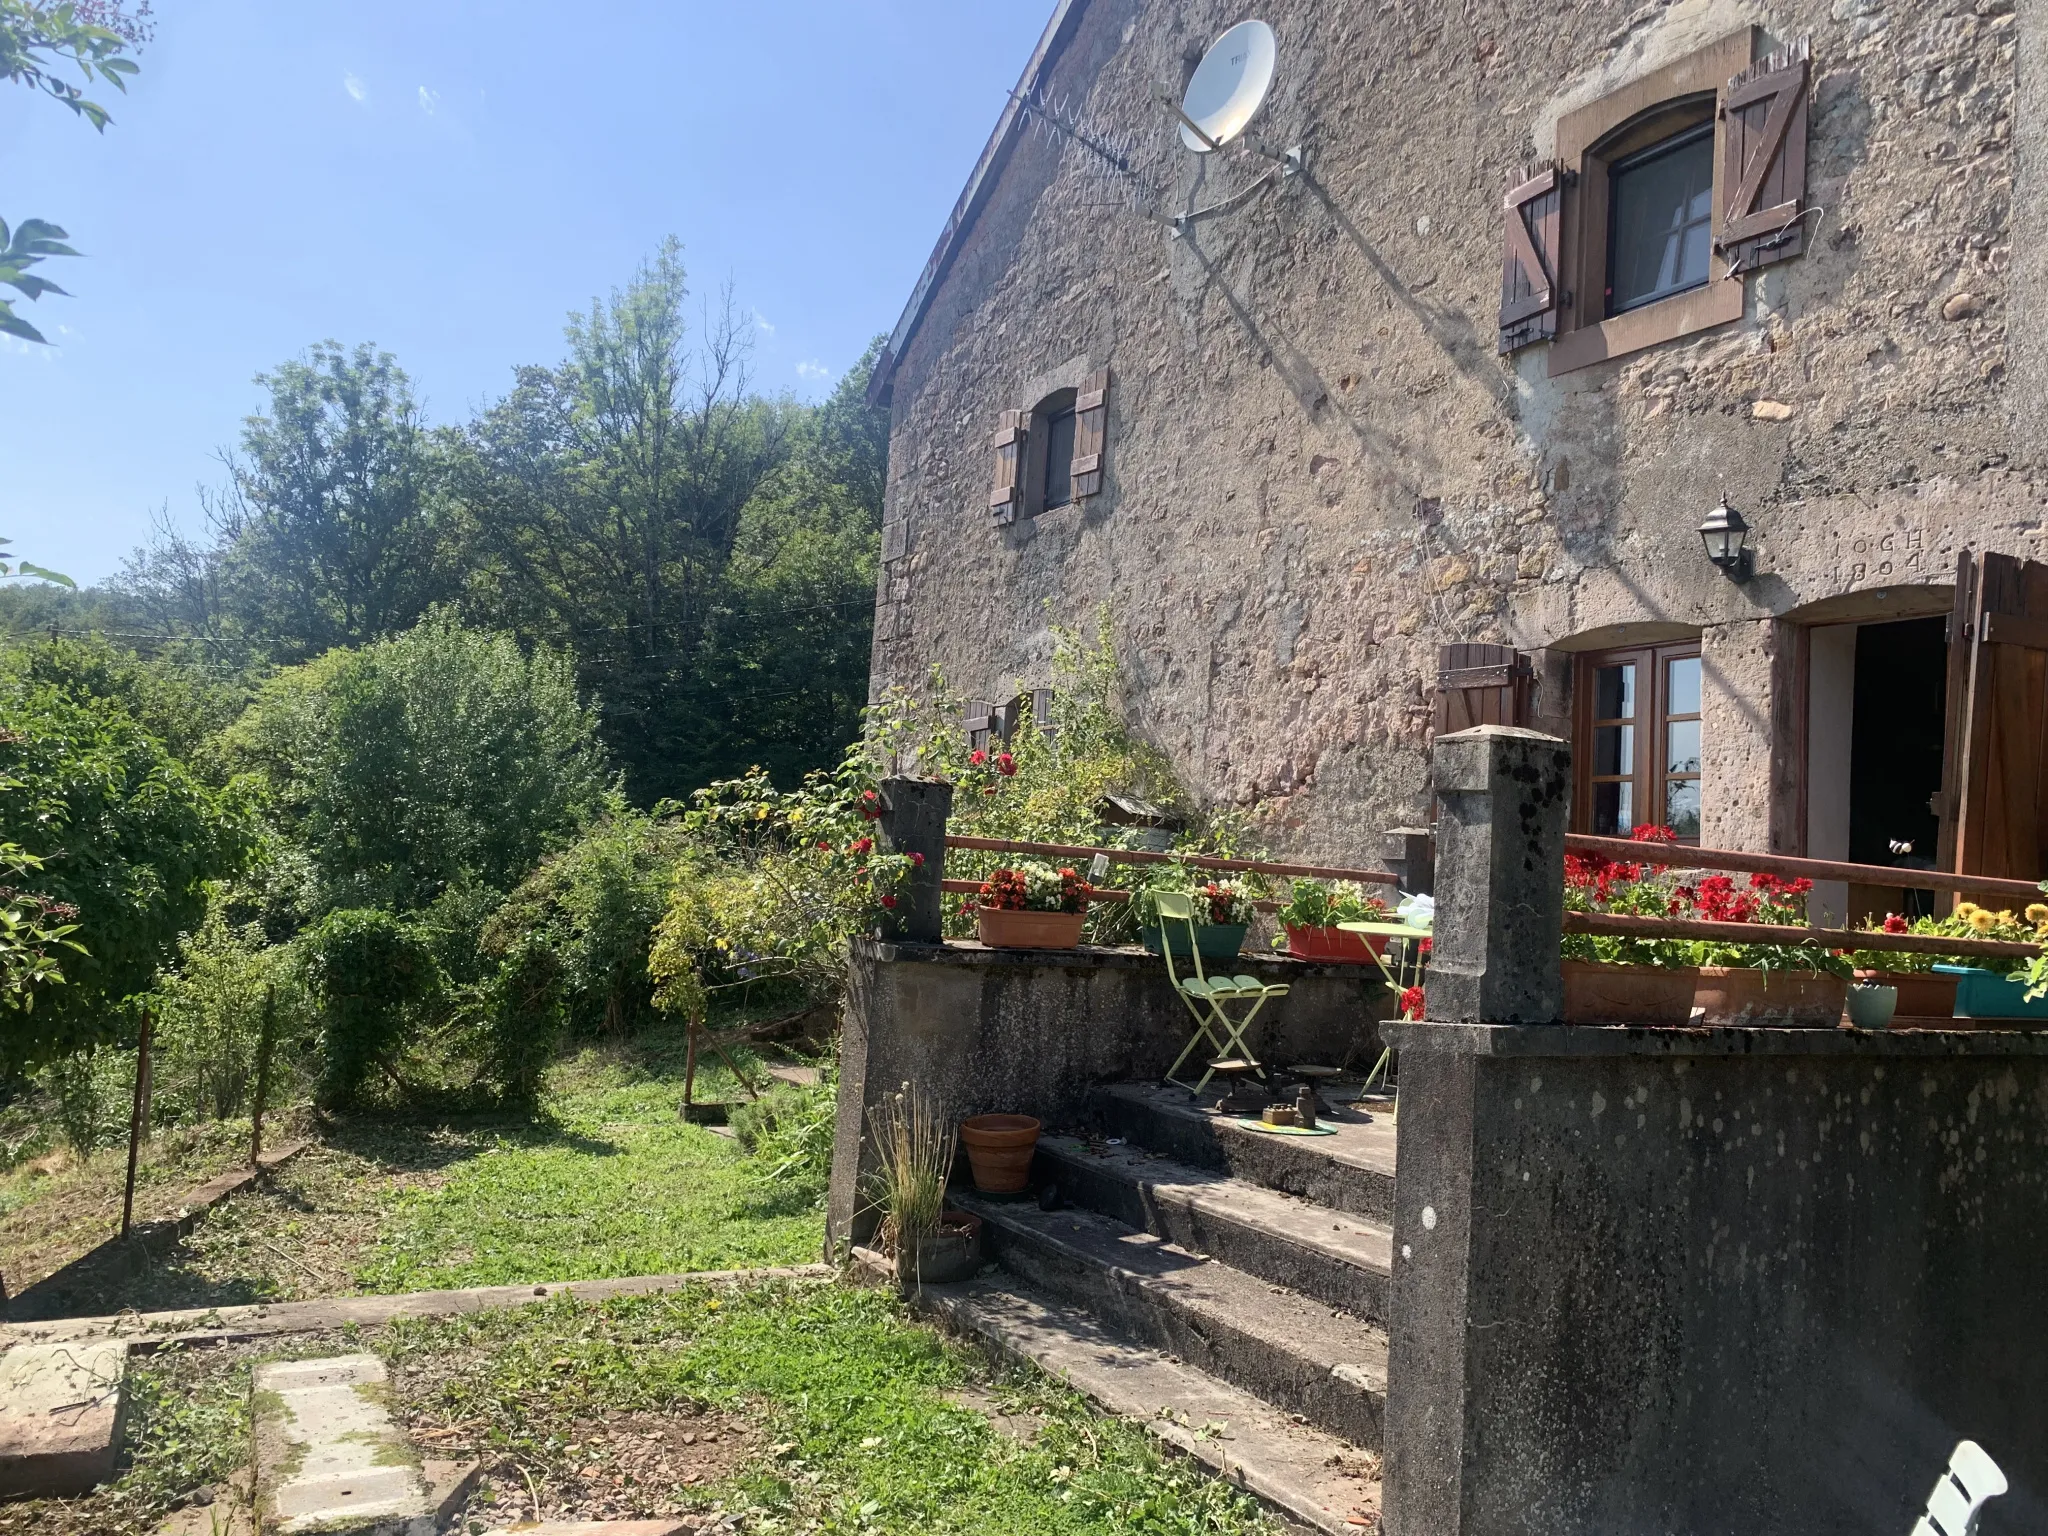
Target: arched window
x,y
1049,471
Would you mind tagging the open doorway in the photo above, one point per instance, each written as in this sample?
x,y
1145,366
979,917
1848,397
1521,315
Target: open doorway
x,y
1876,708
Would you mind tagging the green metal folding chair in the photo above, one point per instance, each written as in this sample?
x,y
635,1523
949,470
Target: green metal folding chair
x,y
1209,999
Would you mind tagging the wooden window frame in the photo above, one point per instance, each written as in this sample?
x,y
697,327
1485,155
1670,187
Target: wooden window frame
x,y
1660,104
1061,402
1651,771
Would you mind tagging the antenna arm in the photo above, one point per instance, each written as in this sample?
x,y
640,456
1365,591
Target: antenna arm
x,y
1187,122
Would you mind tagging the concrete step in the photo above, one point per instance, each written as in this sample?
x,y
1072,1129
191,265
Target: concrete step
x,y
1352,1170
1331,1256
1314,1480
1277,1344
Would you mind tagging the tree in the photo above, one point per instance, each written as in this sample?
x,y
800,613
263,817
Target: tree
x,y
11,570
125,834
439,758
325,538
39,42
604,496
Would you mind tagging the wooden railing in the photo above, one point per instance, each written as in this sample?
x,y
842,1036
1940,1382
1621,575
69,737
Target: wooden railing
x,y
1682,856
1072,851
1198,861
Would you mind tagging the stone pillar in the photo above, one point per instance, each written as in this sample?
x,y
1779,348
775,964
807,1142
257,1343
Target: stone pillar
x,y
1411,854
1504,793
914,813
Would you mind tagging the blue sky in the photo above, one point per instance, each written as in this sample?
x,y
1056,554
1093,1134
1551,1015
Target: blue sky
x,y
447,179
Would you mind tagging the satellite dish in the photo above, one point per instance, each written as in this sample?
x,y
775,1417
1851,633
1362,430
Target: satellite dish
x,y
1228,86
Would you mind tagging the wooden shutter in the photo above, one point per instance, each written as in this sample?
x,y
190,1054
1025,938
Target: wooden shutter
x,y
1529,293
1994,800
1011,433
1480,685
1762,184
981,718
1091,434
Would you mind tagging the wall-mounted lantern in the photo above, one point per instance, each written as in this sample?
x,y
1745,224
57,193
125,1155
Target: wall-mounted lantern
x,y
1726,536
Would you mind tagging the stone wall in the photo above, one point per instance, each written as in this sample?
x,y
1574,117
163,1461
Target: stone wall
x,y
1318,470
1032,1032
1735,1280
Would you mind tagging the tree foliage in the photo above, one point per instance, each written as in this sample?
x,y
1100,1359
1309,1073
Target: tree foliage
x,y
441,757
127,835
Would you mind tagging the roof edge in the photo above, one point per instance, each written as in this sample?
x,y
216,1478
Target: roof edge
x,y
973,198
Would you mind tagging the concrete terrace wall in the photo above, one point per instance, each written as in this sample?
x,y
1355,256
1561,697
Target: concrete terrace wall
x,y
1318,470
1740,1280
1032,1032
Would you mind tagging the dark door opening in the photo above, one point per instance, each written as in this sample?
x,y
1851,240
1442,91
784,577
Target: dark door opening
x,y
1895,753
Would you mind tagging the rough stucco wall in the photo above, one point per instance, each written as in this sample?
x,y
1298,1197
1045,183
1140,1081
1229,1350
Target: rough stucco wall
x,y
1318,470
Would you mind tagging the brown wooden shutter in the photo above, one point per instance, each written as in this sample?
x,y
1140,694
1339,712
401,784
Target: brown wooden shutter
x,y
1763,162
1091,433
1529,293
1480,685
1994,802
1011,433
980,715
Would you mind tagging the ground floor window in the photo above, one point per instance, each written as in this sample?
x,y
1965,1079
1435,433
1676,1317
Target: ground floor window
x,y
1637,741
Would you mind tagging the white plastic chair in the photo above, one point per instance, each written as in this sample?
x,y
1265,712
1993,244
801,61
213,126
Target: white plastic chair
x,y
1960,1493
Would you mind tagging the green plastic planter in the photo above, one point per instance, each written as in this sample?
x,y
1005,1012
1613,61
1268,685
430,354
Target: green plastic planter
x,y
1215,941
1984,994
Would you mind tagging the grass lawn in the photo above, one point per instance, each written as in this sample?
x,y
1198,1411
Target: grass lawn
x,y
791,1408
607,1181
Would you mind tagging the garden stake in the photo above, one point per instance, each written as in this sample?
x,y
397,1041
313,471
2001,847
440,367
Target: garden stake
x,y
135,1124
266,1038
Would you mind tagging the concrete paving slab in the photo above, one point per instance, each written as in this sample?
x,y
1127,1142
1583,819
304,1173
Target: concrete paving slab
x,y
328,1457
61,1407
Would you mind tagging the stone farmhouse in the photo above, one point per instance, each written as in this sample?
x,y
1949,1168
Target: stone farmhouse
x,y
1405,411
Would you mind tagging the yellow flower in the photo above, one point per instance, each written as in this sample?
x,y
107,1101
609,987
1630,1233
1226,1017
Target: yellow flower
x,y
1967,909
2006,918
1981,920
2037,912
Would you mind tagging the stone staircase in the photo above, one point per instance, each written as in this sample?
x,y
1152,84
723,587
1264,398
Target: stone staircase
x,y
1227,1281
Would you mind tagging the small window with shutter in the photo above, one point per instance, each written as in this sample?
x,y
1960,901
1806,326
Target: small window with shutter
x,y
1051,456
1662,196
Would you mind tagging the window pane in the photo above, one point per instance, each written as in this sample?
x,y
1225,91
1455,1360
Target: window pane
x,y
1059,460
1614,749
1682,807
1613,810
1682,747
1683,686
1662,212
1614,694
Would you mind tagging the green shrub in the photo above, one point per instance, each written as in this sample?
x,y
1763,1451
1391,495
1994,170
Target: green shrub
x,y
789,1129
209,1019
371,973
523,1019
93,1094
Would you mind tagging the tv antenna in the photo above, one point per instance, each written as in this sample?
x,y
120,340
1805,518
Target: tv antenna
x,y
1226,91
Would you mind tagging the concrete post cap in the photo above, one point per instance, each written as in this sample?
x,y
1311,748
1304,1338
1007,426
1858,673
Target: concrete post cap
x,y
1467,761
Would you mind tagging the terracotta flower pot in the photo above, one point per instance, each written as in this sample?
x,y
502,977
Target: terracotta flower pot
x,y
1007,928
1780,999
1922,994
951,1253
1333,944
999,1149
1599,993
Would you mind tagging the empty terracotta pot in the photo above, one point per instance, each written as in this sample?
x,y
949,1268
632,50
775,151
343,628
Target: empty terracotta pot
x,y
999,1151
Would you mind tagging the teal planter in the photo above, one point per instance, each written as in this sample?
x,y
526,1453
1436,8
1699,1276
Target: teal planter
x,y
1215,941
1982,994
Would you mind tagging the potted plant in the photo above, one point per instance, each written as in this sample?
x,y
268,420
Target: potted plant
x,y
914,1150
1625,980
1932,988
1223,912
999,1149
1780,985
1310,919
1033,906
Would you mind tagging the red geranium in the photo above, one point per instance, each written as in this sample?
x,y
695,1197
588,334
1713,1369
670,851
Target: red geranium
x,y
1412,1003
